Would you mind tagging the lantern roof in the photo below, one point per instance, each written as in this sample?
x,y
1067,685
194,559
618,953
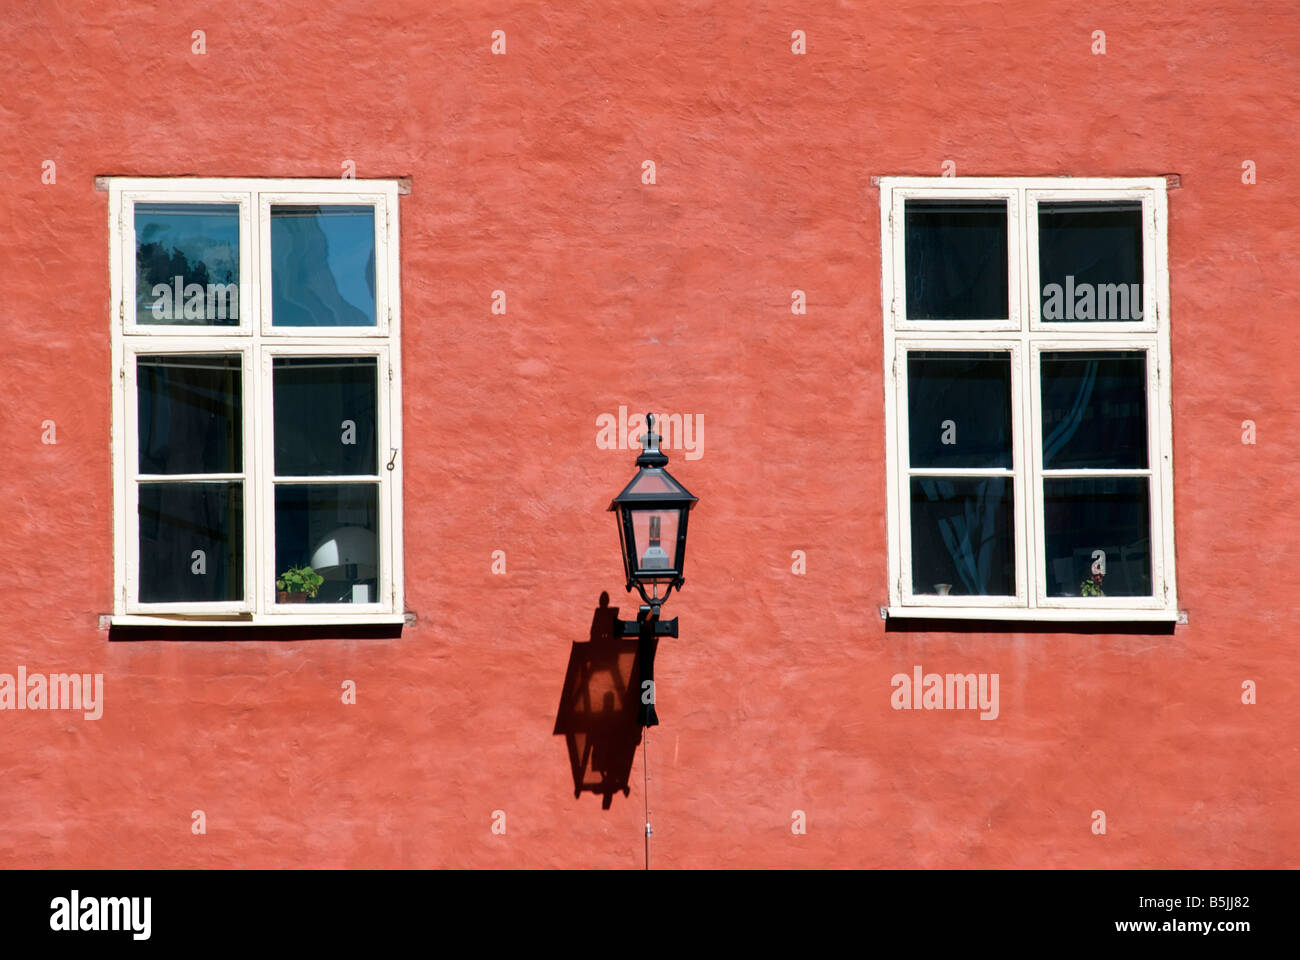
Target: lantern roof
x,y
653,483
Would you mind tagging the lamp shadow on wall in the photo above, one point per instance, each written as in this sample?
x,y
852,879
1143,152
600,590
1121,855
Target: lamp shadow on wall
x,y
599,708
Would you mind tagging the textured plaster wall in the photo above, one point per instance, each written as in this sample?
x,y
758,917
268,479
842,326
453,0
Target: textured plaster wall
x,y
526,176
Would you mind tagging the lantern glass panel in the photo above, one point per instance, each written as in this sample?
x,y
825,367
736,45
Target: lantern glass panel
x,y
654,536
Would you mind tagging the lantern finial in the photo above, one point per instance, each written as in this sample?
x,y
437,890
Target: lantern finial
x,y
651,455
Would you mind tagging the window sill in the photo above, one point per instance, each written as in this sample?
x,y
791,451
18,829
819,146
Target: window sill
x,y
1035,615
255,620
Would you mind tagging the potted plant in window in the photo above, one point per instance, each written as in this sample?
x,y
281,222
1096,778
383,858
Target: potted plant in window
x,y
1092,586
297,584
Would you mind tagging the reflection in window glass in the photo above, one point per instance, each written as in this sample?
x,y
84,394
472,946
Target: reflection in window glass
x,y
331,528
955,253
190,413
1094,410
1098,537
191,542
959,409
323,266
1090,261
187,264
963,536
325,416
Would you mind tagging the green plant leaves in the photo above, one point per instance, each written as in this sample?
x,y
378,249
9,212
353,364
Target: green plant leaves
x,y
299,580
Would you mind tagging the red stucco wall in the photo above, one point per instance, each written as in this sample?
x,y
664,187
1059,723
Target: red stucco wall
x,y
526,176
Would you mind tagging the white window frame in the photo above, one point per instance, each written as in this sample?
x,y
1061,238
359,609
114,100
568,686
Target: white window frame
x,y
258,344
1025,336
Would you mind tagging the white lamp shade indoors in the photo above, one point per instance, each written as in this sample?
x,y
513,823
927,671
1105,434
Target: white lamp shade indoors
x,y
346,547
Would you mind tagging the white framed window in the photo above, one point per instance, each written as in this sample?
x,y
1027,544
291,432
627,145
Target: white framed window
x,y
1027,398
257,415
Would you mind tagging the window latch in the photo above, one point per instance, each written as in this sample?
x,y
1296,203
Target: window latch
x,y
393,458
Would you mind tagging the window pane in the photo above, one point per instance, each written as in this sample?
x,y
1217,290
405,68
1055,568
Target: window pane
x,y
323,266
191,541
1094,410
963,536
190,413
187,263
325,416
1099,534
959,409
956,257
331,528
1090,261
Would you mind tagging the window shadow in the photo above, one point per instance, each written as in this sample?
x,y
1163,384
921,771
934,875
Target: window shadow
x,y
599,708
257,634
1041,627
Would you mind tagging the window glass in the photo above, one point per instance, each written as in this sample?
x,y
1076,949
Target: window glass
x,y
323,265
187,264
190,413
963,536
956,259
332,528
1090,261
325,416
1098,536
191,541
1094,410
959,409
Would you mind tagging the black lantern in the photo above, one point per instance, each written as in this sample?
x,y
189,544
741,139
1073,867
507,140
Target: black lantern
x,y
652,514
